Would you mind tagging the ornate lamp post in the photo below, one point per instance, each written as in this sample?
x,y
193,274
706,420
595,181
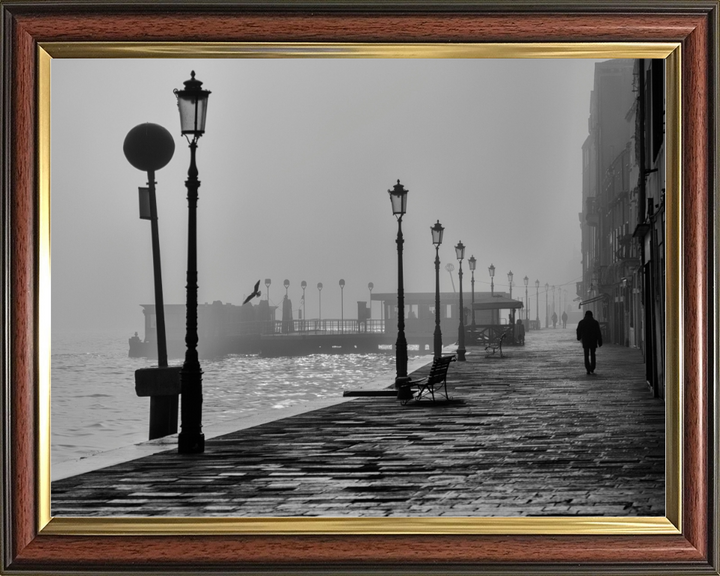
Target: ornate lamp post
x,y
370,287
510,283
398,199
285,322
319,287
437,237
192,104
472,262
271,316
342,305
491,270
547,289
525,280
303,285
460,254
537,303
553,308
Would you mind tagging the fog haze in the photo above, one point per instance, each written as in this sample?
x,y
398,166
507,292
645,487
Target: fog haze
x,y
295,168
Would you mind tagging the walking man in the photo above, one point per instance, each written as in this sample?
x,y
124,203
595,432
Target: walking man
x,y
564,319
588,332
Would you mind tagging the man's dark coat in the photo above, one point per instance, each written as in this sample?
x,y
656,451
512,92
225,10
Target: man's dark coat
x,y
588,331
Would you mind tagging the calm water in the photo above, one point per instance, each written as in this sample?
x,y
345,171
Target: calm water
x,y
94,406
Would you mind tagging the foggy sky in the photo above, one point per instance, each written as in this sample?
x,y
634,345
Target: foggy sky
x,y
295,168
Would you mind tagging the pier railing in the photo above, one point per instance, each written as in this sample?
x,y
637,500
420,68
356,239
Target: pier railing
x,y
330,326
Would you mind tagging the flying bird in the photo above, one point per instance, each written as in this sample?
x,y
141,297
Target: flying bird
x,y
255,292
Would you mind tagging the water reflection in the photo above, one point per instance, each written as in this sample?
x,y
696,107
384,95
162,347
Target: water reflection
x,y
94,406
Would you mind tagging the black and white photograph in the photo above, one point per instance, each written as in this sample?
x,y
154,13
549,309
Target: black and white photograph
x,y
358,287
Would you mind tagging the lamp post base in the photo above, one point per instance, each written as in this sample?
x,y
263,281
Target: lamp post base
x,y
402,385
437,342
461,344
191,443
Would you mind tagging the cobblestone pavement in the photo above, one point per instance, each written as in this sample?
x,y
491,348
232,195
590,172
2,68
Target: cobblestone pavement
x,y
529,434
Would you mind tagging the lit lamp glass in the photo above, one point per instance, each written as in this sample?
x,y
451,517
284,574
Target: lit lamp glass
x,y
398,199
192,104
437,233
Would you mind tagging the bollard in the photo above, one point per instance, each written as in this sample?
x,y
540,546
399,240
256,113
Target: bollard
x,y
162,385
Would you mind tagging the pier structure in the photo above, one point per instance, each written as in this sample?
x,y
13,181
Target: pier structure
x,y
229,329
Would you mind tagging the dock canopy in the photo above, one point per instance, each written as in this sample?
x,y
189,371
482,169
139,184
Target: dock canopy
x,y
498,302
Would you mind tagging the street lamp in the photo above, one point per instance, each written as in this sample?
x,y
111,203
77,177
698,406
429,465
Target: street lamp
x,y
547,289
370,287
553,308
510,283
525,280
192,104
537,303
398,199
303,285
460,254
491,270
472,262
342,305
267,294
437,237
319,287
286,308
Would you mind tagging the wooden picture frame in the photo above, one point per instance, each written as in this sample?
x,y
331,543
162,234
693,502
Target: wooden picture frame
x,y
30,544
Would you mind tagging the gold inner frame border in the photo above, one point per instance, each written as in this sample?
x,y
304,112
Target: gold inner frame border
x,y
670,524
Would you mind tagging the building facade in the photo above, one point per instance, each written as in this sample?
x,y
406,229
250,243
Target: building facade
x,y
623,219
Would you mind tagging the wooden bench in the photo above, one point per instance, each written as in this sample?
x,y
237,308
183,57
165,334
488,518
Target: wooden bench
x,y
498,342
435,380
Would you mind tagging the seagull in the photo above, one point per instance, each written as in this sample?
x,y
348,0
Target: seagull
x,y
255,292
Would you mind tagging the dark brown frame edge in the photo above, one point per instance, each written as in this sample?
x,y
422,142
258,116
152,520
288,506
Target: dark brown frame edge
x,y
24,24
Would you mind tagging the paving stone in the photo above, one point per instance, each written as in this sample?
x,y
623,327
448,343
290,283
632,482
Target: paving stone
x,y
529,434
